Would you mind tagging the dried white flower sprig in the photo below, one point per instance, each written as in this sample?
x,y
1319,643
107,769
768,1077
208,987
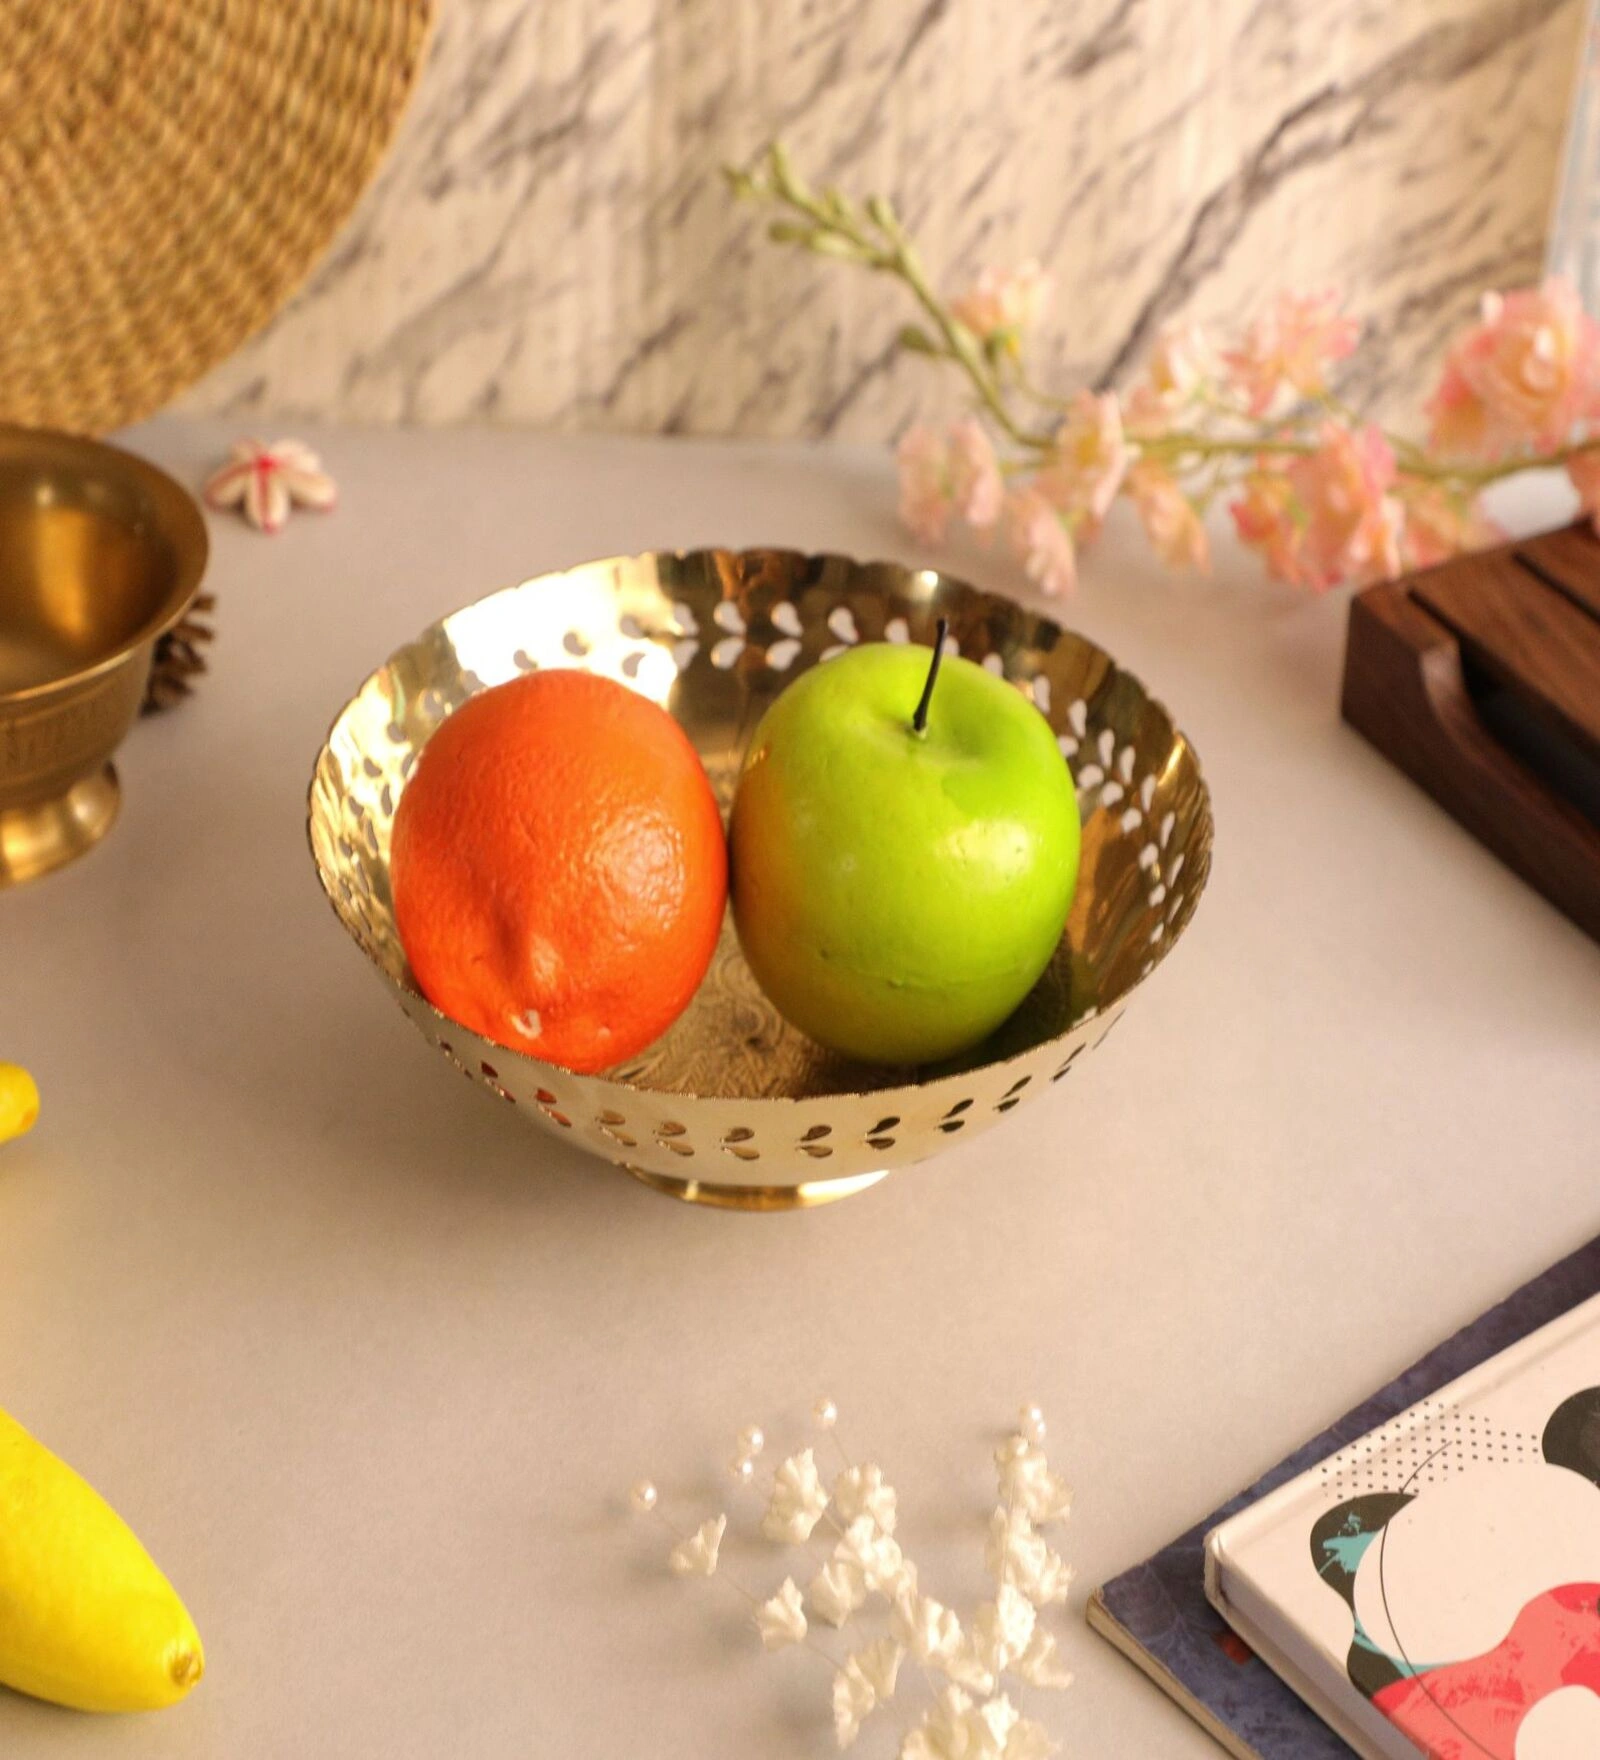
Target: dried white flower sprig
x,y
865,1574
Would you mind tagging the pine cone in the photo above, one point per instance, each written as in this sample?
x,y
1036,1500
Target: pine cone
x,y
178,659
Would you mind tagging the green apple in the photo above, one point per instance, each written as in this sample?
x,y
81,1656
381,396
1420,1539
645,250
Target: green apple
x,y
904,852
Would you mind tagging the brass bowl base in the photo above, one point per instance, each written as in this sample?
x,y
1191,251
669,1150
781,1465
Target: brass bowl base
x,y
44,835
809,1196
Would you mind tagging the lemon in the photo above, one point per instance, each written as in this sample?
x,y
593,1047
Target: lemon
x,y
86,1619
19,1101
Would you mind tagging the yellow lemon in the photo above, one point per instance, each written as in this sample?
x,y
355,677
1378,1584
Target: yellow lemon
x,y
86,1619
19,1101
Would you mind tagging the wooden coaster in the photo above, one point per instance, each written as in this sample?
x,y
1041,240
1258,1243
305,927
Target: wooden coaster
x,y
1481,680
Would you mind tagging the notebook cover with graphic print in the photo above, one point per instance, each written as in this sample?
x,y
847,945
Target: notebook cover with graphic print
x,y
1158,1615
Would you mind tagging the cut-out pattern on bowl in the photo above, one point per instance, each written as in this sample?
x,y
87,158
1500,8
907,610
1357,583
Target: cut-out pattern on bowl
x,y
714,636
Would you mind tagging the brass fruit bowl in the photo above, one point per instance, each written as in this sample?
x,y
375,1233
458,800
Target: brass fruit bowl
x,y
732,1106
100,554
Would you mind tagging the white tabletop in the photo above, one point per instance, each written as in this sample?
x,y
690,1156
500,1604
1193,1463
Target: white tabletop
x,y
368,1363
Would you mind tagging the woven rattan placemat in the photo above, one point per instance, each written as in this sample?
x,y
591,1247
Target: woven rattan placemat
x,y
171,171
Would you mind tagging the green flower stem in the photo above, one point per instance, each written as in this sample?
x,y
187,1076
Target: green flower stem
x,y
1179,443
830,225
836,230
1475,477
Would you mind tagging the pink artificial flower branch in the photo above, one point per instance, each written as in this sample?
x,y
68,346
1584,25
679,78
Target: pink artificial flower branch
x,y
1320,493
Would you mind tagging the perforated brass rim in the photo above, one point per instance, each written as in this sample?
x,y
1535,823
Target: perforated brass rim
x,y
732,1106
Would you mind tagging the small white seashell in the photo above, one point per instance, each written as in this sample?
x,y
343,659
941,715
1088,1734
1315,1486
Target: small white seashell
x,y
834,652
993,665
1167,824
729,617
895,630
727,652
785,618
1108,746
1125,764
843,624
1111,794
1078,716
780,655
683,653
1147,792
1131,820
684,618
1157,893
1068,745
1091,776
1041,694
1149,856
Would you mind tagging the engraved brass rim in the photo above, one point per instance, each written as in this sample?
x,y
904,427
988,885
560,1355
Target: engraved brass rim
x,y
100,555
732,1105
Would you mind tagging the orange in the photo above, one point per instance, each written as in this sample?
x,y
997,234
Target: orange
x,y
559,868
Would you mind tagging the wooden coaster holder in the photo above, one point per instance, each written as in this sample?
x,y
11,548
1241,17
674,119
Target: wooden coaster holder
x,y
1480,679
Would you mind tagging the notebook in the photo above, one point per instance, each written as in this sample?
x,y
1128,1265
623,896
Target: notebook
x,y
1301,1560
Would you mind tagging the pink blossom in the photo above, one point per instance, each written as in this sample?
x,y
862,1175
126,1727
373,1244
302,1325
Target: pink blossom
x,y
1351,521
1524,374
1266,517
1004,303
1291,345
955,471
1042,539
1171,521
1458,420
975,479
1584,470
1440,524
925,494
1180,363
1091,457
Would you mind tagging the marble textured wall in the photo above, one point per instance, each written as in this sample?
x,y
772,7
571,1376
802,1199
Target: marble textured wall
x,y
550,241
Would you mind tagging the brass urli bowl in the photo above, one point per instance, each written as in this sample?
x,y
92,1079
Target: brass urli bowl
x,y
732,1106
100,554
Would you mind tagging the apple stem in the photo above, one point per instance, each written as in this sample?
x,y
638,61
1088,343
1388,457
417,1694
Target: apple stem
x,y
919,721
